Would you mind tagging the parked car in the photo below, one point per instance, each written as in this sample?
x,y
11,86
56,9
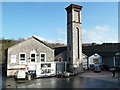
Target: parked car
x,y
67,74
105,67
97,69
114,69
20,74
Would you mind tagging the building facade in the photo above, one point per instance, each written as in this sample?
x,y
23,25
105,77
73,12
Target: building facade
x,y
94,59
107,52
31,54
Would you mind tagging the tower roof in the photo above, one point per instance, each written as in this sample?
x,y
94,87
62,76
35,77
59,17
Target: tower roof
x,y
73,6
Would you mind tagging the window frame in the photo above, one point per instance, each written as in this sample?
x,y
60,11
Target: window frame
x,y
59,59
40,57
33,52
21,61
30,57
96,60
48,65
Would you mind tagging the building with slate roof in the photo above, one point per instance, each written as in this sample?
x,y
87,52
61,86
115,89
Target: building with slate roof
x,y
107,51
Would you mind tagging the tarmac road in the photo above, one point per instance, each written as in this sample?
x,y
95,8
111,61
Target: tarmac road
x,y
104,75
86,80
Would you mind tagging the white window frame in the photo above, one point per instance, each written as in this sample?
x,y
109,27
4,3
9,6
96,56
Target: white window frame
x,y
33,52
30,57
45,57
47,64
20,61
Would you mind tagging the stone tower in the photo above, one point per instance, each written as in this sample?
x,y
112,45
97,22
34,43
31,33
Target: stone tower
x,y
74,40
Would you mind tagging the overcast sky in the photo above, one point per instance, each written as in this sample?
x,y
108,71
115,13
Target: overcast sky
x,y
48,21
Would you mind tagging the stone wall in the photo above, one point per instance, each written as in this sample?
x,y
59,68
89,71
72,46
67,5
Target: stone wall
x,y
26,47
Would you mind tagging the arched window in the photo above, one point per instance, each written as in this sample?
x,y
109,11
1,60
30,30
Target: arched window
x,y
78,41
60,59
33,56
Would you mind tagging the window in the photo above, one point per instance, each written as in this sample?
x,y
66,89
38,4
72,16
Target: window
x,y
60,59
78,42
22,57
95,60
76,14
32,57
46,65
42,57
69,59
45,71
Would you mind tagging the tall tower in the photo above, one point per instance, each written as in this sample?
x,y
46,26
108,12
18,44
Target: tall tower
x,y
74,37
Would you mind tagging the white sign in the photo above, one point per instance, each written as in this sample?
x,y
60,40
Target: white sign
x,y
13,58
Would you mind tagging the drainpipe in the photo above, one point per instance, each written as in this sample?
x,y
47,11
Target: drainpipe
x,y
87,63
114,60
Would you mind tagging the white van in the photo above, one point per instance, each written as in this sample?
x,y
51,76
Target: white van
x,y
20,74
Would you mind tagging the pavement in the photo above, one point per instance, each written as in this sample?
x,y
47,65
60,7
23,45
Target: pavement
x,y
103,75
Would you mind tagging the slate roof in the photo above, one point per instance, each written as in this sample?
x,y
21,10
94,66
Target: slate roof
x,y
59,50
103,49
36,38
